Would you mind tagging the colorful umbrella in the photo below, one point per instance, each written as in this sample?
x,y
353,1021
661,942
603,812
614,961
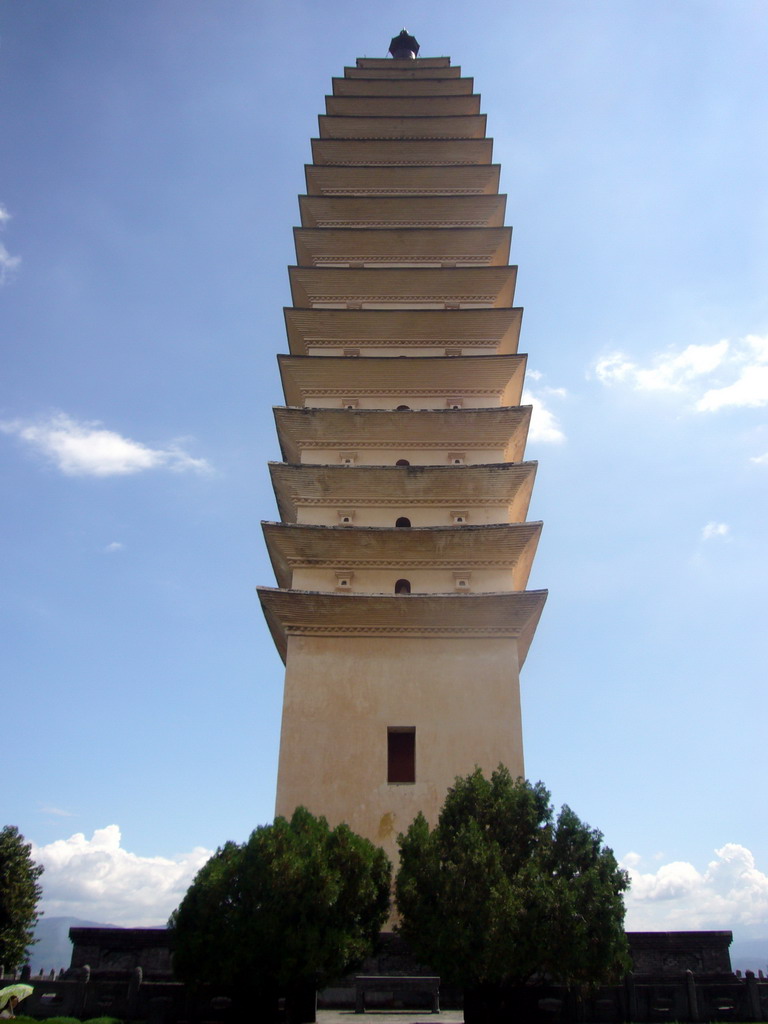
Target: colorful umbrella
x,y
20,991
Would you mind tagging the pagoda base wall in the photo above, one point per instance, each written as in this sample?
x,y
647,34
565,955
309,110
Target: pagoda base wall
x,y
343,693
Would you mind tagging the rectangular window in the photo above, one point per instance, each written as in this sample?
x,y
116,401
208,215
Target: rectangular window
x,y
401,754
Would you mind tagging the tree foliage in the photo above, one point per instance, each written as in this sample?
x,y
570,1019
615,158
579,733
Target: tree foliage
x,y
499,892
298,903
19,896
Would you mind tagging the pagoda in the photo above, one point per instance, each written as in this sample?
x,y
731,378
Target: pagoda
x,y
403,551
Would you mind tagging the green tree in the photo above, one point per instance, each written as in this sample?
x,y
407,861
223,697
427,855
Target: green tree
x,y
498,894
19,896
292,908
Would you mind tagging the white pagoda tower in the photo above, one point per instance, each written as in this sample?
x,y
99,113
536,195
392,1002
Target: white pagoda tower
x,y
403,551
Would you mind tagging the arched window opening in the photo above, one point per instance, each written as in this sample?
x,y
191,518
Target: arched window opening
x,y
402,462
402,408
403,587
403,521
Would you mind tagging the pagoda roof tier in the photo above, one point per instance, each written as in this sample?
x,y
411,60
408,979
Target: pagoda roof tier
x,y
394,328
506,484
402,211
402,152
504,546
310,613
478,246
403,106
403,64
301,429
458,180
424,127
486,286
427,377
414,70
398,87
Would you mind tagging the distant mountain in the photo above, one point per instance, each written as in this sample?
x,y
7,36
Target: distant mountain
x,y
53,949
751,955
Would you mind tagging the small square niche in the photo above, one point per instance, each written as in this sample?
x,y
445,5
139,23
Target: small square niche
x,y
344,579
462,580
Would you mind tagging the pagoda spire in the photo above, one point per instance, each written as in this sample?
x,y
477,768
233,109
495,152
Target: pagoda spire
x,y
404,46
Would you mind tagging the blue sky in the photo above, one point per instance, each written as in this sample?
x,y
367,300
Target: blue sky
x,y
151,156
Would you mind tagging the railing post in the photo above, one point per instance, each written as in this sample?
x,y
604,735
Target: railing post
x,y
753,997
693,1002
629,984
82,995
134,985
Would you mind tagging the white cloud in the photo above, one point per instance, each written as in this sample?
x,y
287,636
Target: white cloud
x,y
116,545
761,460
8,263
725,373
731,892
544,424
750,390
614,368
668,371
88,449
97,879
712,530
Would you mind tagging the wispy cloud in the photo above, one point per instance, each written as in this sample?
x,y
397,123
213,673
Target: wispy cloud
x,y
99,880
544,424
116,545
730,892
711,377
713,530
57,812
88,449
8,263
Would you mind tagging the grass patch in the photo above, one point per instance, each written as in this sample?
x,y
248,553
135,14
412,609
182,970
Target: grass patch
x,y
66,1020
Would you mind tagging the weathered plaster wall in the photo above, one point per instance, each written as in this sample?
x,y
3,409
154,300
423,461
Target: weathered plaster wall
x,y
341,695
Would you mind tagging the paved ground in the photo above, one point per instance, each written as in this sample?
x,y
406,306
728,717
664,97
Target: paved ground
x,y
389,1017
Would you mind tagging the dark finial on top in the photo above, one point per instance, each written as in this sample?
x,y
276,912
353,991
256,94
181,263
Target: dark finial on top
x,y
404,46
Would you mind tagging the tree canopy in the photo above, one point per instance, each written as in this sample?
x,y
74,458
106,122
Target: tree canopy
x,y
298,903
19,896
500,892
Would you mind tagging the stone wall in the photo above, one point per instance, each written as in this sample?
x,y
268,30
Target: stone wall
x,y
121,950
118,950
676,952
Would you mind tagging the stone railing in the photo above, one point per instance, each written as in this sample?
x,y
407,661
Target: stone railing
x,y
641,997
